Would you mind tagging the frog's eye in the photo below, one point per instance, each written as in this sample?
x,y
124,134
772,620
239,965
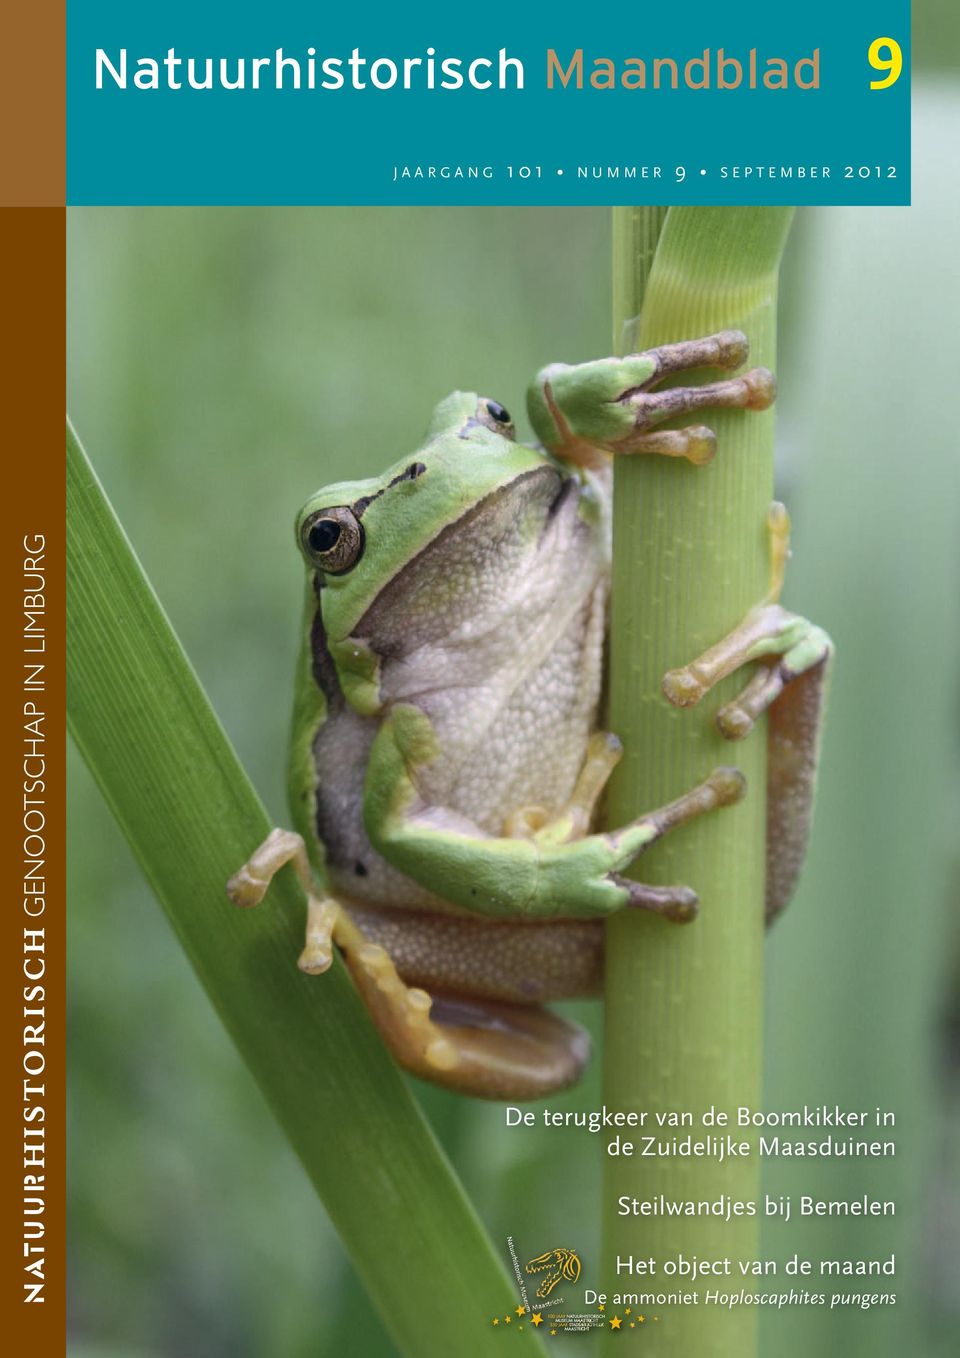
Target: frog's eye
x,y
333,539
495,417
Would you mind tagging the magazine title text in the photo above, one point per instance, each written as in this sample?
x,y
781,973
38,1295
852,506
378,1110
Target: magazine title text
x,y
710,68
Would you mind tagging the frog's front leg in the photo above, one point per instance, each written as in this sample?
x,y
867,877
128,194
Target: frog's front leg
x,y
793,658
548,873
610,405
401,1012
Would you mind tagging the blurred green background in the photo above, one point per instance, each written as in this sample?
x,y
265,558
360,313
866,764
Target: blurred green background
x,y
225,363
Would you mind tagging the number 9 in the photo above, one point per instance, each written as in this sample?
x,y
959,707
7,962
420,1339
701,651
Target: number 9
x,y
892,63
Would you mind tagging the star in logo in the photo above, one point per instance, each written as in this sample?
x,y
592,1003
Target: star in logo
x,y
536,1318
615,1323
521,1310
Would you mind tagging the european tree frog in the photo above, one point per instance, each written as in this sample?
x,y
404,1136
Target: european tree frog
x,y
446,760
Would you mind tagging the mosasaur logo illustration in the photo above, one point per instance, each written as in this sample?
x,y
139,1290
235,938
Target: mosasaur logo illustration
x,y
554,1265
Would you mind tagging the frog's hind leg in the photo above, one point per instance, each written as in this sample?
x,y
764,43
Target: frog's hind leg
x,y
505,1051
789,684
488,1048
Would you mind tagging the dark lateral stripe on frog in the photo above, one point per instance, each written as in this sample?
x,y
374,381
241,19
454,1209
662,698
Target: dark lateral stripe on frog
x,y
324,670
410,474
568,486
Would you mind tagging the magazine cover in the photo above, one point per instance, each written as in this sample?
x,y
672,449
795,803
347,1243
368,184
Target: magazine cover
x,y
481,731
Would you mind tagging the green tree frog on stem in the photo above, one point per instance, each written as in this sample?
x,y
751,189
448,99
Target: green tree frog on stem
x,y
446,759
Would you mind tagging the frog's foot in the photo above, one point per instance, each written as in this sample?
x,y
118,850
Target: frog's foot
x,y
490,1049
401,1012
787,646
753,390
723,787
585,877
248,887
610,404
790,682
503,1051
604,752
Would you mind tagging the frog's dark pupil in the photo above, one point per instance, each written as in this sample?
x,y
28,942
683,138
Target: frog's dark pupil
x,y
499,414
324,535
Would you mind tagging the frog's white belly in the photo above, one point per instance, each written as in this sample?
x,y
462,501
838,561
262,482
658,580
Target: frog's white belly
x,y
514,738
503,649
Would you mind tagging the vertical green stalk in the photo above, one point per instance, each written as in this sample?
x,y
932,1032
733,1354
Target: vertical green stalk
x,y
636,232
684,1003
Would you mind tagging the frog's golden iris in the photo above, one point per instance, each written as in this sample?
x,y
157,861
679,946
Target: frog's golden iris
x,y
333,538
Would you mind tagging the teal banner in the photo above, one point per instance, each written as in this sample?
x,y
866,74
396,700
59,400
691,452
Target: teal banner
x,y
304,104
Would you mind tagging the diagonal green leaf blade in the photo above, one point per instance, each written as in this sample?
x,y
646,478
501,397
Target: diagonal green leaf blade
x,y
148,733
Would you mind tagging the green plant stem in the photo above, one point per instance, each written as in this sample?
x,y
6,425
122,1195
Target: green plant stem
x,y
636,231
683,1017
148,733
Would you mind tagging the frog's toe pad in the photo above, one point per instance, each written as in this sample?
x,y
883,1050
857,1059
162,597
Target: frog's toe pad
x,y
682,687
761,388
734,723
245,890
315,959
503,1051
681,904
729,784
733,349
